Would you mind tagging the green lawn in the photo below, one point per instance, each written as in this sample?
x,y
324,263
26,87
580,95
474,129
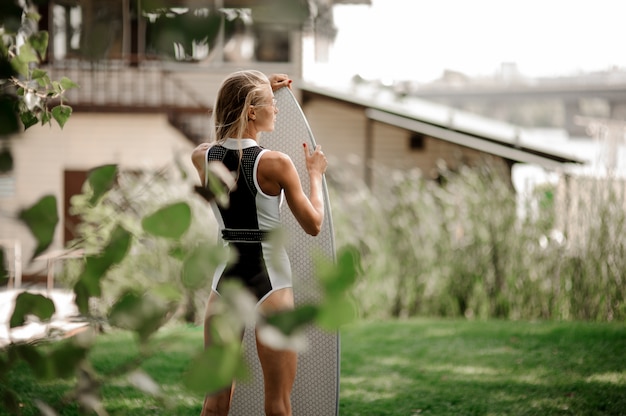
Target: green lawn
x,y
406,368
436,367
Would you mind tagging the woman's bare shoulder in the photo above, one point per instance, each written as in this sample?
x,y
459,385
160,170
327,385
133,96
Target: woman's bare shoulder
x,y
198,154
275,161
275,155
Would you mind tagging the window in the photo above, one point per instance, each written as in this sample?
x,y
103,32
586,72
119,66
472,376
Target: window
x,y
416,141
66,24
89,30
205,34
7,185
104,29
7,178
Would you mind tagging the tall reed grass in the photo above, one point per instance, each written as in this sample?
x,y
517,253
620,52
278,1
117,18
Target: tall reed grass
x,y
462,247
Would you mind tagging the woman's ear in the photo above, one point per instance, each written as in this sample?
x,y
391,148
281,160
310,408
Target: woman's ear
x,y
251,113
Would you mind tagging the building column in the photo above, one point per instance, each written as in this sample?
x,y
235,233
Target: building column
x,y
572,110
369,152
617,110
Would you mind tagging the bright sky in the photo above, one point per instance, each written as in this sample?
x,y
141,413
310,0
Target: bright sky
x,y
418,39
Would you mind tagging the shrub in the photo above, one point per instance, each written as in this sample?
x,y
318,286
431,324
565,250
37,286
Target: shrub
x,y
461,247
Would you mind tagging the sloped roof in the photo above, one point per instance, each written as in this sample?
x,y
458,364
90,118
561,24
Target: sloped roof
x,y
445,123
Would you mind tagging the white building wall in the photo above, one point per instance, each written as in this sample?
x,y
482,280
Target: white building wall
x,y
42,154
391,147
339,129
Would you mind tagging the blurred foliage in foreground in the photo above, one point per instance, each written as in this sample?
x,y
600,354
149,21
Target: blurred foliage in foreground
x,y
147,254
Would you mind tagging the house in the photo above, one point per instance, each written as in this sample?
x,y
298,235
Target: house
x,y
148,74
381,128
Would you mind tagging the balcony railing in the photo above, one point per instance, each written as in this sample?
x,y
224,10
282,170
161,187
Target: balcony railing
x,y
118,86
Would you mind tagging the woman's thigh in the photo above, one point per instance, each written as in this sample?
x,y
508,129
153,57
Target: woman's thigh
x,y
280,300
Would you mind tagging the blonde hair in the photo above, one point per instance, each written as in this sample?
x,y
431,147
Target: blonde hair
x,y
237,93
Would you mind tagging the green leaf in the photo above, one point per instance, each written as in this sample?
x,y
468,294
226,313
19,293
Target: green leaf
x,y
336,278
168,291
42,81
220,182
101,180
11,17
97,266
39,42
41,219
27,54
89,280
171,221
41,77
6,160
67,83
65,359
11,402
61,362
46,117
118,246
6,361
20,66
31,304
9,120
214,368
290,321
195,270
143,314
123,314
36,361
61,114
38,73
335,312
201,262
81,293
178,252
29,119
34,16
56,88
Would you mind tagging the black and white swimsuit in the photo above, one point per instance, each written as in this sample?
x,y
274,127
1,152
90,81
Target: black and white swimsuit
x,y
262,264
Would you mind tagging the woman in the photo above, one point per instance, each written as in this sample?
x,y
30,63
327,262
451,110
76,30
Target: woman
x,y
245,107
